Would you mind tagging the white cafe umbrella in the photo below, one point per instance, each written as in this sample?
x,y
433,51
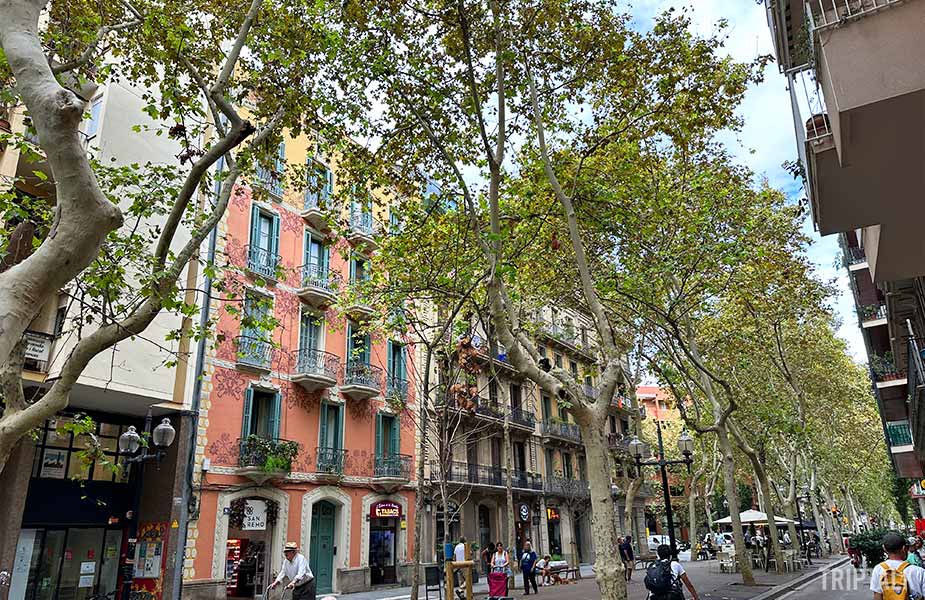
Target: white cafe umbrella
x,y
753,517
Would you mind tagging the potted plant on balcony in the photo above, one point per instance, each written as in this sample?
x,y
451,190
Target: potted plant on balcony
x,y
280,457
884,367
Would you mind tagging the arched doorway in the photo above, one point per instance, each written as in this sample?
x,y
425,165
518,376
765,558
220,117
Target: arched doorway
x,y
321,546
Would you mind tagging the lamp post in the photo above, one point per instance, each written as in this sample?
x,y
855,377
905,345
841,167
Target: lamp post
x,y
130,442
639,449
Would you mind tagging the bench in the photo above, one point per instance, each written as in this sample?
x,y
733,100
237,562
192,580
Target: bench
x,y
561,573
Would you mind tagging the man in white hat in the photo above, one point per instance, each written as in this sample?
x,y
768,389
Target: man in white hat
x,y
295,567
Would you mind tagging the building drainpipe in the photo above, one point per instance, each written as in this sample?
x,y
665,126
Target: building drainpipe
x,y
189,504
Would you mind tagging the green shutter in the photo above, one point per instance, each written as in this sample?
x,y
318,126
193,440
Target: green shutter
x,y
390,360
378,436
395,432
350,341
274,236
338,437
281,160
353,270
367,351
401,365
246,418
323,427
255,224
273,421
329,183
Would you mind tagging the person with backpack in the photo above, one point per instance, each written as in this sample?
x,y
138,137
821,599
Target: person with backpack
x,y
894,578
665,576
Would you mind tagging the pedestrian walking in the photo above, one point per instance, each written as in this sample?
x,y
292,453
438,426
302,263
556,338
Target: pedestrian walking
x,y
626,555
787,540
665,578
500,572
500,561
912,557
527,565
296,569
899,579
459,554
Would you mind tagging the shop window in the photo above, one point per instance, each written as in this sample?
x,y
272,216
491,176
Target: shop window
x,y
58,454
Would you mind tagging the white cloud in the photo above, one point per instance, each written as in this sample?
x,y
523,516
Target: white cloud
x,y
767,139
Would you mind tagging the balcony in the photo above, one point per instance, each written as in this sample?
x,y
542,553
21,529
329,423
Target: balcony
x,y
523,480
253,353
361,380
263,459
872,315
559,430
488,409
359,307
590,391
619,442
396,390
316,369
523,418
489,476
855,259
329,464
363,231
38,351
318,288
391,472
899,435
270,181
262,263
567,487
564,335
492,350
315,209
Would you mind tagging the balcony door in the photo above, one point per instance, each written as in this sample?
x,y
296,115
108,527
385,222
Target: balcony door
x,y
316,254
387,436
310,334
520,456
261,414
358,345
330,425
396,365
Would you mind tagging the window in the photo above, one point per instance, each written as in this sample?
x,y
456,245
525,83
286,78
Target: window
x,y
613,424
361,216
60,320
582,468
261,414
57,453
387,435
547,408
573,367
493,392
584,337
520,456
92,126
320,184
394,222
558,361
310,333
359,270
395,361
315,271
263,251
330,424
358,345
567,470
549,463
256,310
624,426
515,396
588,380
272,179
541,350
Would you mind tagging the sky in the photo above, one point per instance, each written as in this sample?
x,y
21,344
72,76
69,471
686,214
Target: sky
x,y
767,139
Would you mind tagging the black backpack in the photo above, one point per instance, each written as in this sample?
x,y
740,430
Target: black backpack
x,y
661,582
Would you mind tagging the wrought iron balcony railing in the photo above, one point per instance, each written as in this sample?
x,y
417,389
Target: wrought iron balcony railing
x,y
559,429
619,441
487,408
317,362
396,387
363,223
362,374
253,351
854,255
567,487
526,481
267,454
393,466
330,461
262,262
523,417
872,312
899,434
318,277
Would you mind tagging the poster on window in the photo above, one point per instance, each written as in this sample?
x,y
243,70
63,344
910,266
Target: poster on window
x,y
255,515
53,463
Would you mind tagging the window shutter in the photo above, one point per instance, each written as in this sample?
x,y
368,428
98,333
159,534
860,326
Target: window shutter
x,y
255,224
390,360
378,436
396,432
338,437
273,421
353,270
329,183
367,353
323,426
281,160
401,370
246,418
274,239
351,342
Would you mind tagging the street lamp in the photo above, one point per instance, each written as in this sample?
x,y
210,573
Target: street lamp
x,y
129,443
640,451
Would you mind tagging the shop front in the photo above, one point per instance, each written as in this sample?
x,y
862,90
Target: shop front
x,y
522,527
249,538
73,532
554,532
384,520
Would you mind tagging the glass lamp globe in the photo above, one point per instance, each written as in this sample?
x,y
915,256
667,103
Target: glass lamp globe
x,y
164,434
686,443
129,441
637,447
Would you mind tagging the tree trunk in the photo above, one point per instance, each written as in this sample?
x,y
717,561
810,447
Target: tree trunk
x,y
837,544
629,512
692,533
422,399
608,570
732,495
508,488
821,524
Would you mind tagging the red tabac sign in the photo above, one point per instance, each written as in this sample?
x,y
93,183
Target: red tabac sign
x,y
385,510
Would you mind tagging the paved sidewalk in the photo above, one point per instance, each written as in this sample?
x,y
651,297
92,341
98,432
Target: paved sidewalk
x,y
710,583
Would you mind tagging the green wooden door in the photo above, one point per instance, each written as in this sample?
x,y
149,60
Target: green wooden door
x,y
321,546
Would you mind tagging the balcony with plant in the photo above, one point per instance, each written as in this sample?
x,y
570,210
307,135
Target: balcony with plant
x,y
884,367
261,459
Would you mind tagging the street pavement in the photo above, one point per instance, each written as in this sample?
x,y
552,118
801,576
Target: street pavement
x,y
843,583
710,584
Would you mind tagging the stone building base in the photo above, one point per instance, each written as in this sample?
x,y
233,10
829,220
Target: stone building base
x,y
204,589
